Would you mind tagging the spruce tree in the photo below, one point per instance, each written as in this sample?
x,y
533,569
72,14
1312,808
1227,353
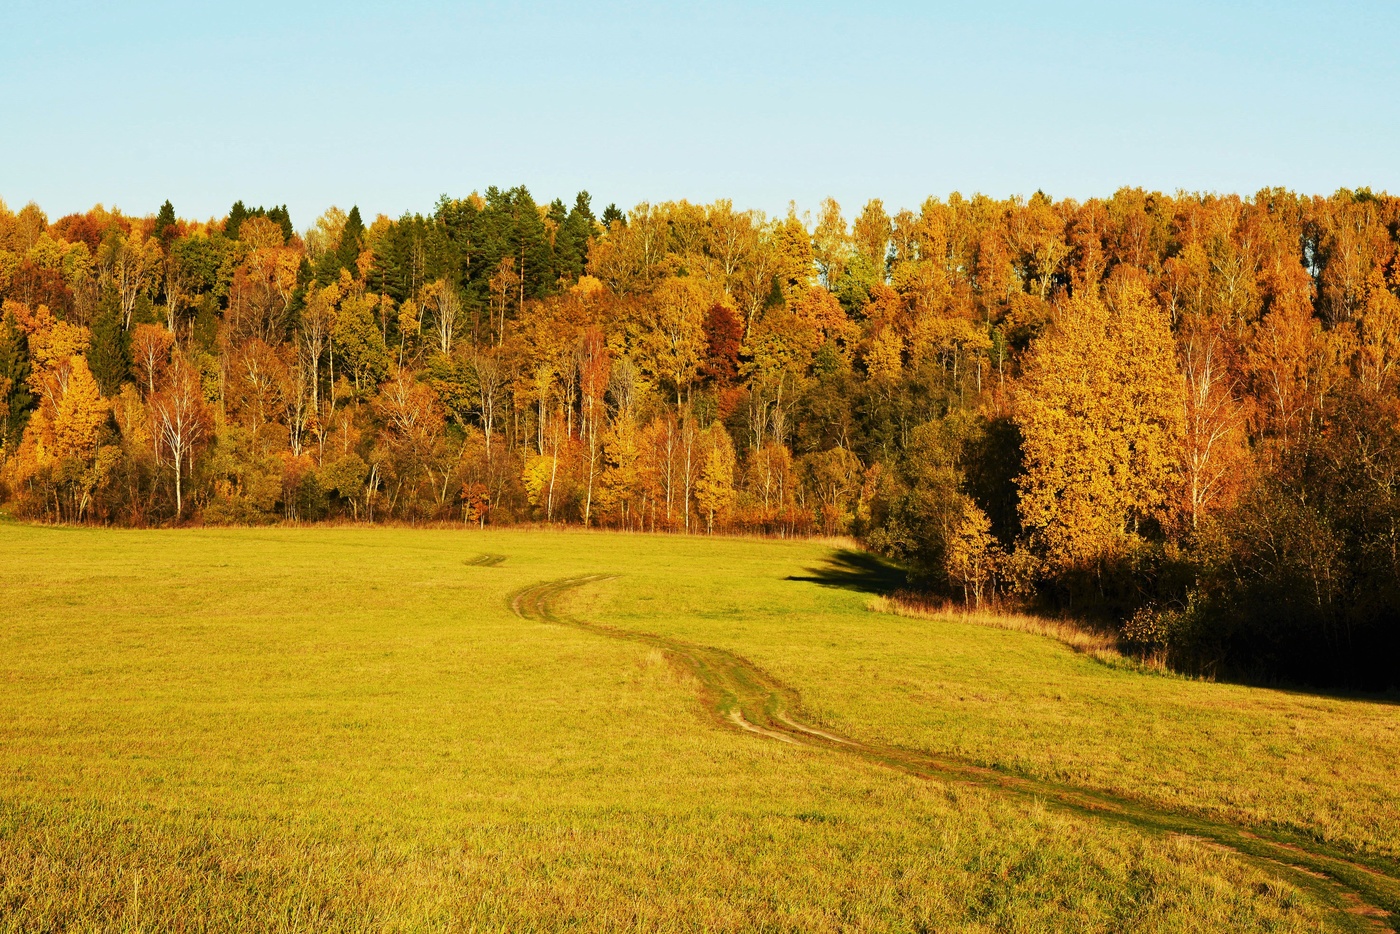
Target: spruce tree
x,y
236,216
352,240
282,218
165,220
109,352
572,241
16,400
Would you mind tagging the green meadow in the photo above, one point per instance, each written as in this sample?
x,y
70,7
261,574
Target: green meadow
x,y
355,729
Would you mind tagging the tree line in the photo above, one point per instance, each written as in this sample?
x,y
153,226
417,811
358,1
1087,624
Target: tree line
x,y
1175,414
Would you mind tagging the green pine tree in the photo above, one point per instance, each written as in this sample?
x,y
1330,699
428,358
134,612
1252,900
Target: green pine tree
x,y
352,240
282,218
109,352
17,401
236,216
165,220
571,245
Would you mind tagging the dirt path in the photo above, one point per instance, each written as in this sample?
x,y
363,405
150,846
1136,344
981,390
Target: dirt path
x,y
1360,895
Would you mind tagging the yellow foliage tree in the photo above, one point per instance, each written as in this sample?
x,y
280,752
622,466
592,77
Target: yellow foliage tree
x,y
1100,412
884,356
51,342
1379,321
129,262
972,554
669,332
59,450
714,490
793,263
621,479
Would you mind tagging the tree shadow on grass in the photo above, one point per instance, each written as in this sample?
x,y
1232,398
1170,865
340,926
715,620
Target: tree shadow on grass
x,y
850,569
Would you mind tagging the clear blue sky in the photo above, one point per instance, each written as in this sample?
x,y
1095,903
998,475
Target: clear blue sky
x,y
390,105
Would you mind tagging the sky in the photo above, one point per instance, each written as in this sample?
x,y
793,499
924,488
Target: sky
x,y
389,106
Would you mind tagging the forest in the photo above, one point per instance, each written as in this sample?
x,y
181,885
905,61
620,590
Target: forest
x,y
1173,415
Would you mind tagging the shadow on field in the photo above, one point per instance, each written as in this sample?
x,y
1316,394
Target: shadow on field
x,y
850,569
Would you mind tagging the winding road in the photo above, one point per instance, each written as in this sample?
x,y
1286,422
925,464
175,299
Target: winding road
x,y
1360,894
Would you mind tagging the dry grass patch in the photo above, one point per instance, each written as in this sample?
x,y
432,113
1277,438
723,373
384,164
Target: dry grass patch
x,y
1081,638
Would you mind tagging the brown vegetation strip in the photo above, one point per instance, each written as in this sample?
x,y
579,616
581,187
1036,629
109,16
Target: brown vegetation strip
x,y
1361,894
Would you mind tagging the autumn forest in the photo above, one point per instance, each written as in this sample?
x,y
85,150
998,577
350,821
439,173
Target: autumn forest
x,y
1174,415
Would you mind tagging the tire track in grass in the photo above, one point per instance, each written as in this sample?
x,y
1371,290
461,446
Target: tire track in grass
x,y
1359,894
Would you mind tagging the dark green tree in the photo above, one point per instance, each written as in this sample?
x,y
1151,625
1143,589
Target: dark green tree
x,y
165,221
571,242
534,259
401,261
16,401
455,244
282,218
200,260
109,352
236,216
352,240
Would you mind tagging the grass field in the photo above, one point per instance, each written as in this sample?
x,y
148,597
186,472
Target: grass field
x,y
352,730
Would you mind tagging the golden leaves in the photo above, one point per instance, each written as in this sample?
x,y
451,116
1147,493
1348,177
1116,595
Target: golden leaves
x,y
1100,413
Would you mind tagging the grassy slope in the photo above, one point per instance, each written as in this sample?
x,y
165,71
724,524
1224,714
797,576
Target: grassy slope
x,y
348,729
1323,767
